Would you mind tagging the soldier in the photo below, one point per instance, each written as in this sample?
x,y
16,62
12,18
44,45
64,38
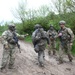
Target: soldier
x,y
52,36
9,41
39,39
66,41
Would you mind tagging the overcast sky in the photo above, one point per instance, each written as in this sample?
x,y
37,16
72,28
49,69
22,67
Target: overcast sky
x,y
7,5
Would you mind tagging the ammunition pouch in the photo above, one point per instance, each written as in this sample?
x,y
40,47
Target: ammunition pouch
x,y
6,46
12,41
36,48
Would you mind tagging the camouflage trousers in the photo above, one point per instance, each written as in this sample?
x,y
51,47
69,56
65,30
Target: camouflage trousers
x,y
65,48
52,48
8,57
41,54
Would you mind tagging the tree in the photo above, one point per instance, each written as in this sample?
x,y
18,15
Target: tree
x,y
20,12
70,5
43,11
64,6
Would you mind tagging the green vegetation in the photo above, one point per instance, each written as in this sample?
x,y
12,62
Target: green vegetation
x,y
44,16
28,39
73,48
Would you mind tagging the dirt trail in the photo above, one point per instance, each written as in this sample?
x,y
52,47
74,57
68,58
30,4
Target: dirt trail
x,y
26,63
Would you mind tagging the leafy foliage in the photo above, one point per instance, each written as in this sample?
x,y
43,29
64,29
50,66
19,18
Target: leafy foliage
x,y
44,16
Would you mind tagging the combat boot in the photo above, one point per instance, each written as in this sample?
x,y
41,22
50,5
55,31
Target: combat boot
x,y
11,66
2,69
70,59
41,65
49,52
60,61
54,52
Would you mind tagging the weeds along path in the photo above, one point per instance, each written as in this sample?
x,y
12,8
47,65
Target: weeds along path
x,y
26,63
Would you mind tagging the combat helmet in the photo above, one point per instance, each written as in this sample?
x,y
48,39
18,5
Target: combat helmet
x,y
62,22
37,26
11,27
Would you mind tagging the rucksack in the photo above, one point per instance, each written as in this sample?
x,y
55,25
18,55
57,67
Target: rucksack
x,y
36,35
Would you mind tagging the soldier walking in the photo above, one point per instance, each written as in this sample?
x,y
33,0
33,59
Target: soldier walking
x,y
9,41
39,39
66,37
52,33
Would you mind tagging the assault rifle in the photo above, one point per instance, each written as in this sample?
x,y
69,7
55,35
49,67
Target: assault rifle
x,y
18,45
16,41
52,36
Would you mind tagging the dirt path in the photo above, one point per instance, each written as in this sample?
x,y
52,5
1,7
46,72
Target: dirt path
x,y
26,64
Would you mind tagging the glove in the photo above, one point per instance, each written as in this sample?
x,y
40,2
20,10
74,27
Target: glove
x,y
6,46
60,34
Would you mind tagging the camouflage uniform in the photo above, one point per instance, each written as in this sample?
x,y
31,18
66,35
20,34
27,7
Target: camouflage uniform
x,y
40,43
9,48
66,38
52,36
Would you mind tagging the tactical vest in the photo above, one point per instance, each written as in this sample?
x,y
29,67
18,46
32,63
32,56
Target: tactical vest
x,y
52,34
11,36
38,35
15,37
65,35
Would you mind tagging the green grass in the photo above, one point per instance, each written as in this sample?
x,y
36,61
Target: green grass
x,y
73,48
0,33
28,39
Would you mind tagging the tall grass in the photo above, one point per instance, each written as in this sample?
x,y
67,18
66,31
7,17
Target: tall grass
x,y
73,48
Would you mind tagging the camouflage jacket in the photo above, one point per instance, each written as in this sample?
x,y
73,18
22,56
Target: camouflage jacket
x,y
52,34
67,34
39,37
8,36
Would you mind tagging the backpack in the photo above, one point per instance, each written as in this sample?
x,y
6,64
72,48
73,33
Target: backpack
x,y
36,35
